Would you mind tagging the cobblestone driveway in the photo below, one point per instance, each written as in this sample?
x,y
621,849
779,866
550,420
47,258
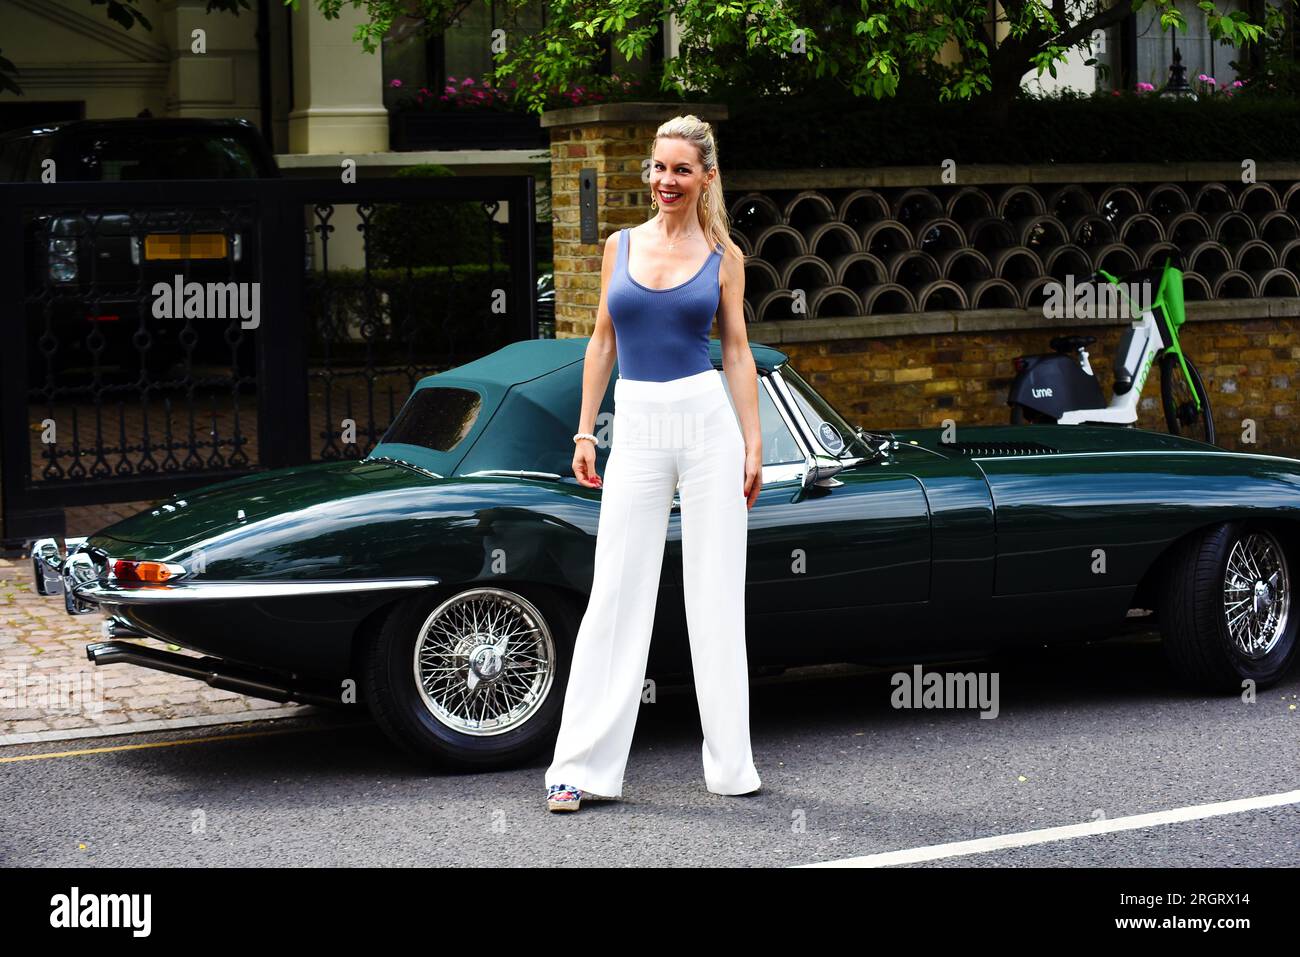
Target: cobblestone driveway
x,y
48,685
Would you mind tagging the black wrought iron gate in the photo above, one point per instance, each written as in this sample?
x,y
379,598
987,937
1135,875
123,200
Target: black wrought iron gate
x,y
160,336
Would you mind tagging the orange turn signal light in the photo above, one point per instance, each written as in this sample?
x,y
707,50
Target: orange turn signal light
x,y
126,570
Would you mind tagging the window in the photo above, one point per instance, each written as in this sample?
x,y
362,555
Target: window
x,y
9,151
1136,51
42,149
435,418
105,156
834,435
17,156
779,445
463,50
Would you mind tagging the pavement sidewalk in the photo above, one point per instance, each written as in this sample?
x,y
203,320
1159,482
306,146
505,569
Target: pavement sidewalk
x,y
49,690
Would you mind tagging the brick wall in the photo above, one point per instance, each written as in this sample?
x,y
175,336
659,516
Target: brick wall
x,y
615,152
1251,368
884,380
614,140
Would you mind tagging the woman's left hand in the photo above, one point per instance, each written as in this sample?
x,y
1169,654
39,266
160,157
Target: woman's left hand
x,y
753,474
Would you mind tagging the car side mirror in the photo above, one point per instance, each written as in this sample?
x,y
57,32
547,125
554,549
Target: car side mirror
x,y
819,469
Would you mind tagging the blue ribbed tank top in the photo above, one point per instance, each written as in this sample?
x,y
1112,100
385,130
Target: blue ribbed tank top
x,y
663,334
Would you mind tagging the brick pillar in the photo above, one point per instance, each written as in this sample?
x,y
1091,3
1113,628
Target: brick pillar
x,y
615,140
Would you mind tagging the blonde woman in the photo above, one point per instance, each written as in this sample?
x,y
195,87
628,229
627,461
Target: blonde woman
x,y
662,284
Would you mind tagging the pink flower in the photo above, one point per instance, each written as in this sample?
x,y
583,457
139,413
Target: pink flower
x,y
1210,80
394,83
1202,77
1236,83
468,81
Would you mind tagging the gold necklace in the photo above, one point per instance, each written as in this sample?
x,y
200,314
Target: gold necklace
x,y
683,239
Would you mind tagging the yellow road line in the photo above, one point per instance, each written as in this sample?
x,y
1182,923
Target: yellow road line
x,y
168,744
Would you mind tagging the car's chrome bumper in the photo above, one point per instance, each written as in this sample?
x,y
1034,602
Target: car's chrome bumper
x,y
85,589
116,593
56,571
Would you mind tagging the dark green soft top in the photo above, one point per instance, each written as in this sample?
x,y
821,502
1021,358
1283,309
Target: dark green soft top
x,y
530,396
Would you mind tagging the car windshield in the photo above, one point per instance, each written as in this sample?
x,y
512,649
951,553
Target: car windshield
x,y
133,155
832,432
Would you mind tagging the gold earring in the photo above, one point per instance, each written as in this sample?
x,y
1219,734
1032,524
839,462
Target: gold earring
x,y
654,203
705,200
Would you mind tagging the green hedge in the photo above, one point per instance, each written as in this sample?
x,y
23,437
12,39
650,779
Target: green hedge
x,y
443,314
833,131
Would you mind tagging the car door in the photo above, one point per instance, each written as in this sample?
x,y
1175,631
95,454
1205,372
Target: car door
x,y
863,541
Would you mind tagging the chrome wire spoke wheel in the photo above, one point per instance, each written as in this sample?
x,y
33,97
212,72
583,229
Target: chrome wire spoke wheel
x,y
1256,594
484,661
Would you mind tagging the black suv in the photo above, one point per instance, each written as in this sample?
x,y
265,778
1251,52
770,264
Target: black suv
x,y
95,268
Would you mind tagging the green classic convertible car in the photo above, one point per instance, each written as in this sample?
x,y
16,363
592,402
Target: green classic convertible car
x,y
441,579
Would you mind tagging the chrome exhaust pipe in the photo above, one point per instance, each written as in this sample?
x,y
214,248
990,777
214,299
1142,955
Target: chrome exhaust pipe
x,y
214,671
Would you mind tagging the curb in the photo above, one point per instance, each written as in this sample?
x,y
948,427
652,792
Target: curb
x,y
161,724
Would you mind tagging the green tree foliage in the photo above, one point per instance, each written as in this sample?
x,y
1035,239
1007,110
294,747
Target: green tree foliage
x,y
869,46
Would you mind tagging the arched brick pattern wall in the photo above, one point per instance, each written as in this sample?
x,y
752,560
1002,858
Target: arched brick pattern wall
x,y
837,253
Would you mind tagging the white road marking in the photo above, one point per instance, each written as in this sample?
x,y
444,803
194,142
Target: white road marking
x,y
1063,833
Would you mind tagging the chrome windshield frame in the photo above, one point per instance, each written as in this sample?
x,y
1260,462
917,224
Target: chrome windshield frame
x,y
802,430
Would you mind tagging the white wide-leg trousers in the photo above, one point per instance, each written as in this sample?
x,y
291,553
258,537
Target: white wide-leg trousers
x,y
684,434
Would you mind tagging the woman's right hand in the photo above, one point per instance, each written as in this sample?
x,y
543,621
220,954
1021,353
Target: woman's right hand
x,y
584,464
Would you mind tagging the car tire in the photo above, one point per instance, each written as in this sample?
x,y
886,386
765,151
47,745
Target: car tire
x,y
448,727
1179,419
1205,625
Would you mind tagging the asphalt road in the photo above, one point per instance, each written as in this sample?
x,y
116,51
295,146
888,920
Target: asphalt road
x,y
1081,734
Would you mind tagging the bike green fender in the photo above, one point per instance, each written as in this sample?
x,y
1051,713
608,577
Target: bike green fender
x,y
1170,298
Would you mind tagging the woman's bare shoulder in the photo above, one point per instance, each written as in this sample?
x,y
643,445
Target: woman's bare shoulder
x,y
733,257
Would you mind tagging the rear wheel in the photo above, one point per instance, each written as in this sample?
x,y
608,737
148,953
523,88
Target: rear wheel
x,y
1226,608
1182,417
473,679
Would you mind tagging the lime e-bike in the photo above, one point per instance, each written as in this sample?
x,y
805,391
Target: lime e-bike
x,y
1060,387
